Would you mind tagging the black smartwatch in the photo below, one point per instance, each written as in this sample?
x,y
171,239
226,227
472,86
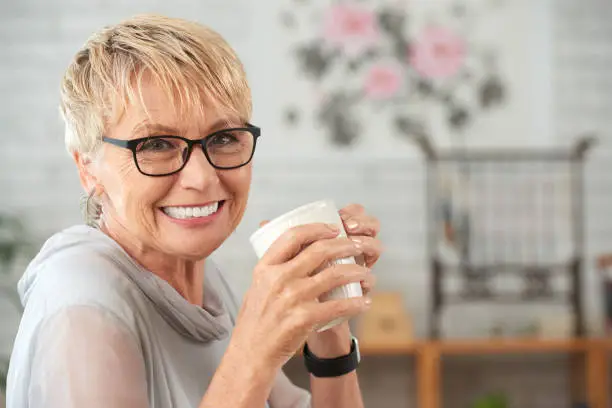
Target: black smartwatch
x,y
332,367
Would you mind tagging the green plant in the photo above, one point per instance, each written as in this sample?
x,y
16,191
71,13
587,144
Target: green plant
x,y
12,240
4,363
14,243
497,400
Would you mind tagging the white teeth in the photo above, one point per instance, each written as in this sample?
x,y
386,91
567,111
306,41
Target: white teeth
x,y
191,212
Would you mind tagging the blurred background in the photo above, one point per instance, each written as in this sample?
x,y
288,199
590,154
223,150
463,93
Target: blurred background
x,y
478,131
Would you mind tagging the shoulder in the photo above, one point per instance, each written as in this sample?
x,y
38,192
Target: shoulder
x,y
80,267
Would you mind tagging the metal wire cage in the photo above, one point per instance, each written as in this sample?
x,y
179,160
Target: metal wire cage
x,y
505,226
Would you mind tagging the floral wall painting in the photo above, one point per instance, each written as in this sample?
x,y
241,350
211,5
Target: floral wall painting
x,y
382,81
437,52
384,56
350,28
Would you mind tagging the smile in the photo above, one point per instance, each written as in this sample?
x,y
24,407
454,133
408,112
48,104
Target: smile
x,y
185,213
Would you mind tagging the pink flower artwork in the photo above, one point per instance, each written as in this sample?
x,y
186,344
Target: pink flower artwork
x,y
437,53
383,82
350,27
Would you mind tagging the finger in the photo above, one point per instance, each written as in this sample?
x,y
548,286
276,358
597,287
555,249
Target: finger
x,y
372,249
361,225
367,285
264,222
321,253
324,312
352,210
292,241
331,278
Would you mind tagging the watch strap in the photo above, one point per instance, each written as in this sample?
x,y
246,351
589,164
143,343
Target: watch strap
x,y
332,367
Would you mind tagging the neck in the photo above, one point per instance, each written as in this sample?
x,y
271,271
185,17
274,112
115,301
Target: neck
x,y
185,276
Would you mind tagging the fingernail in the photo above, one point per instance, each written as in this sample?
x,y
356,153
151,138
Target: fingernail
x,y
367,301
351,225
357,242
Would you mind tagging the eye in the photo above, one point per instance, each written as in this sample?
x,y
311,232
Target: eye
x,y
222,139
157,144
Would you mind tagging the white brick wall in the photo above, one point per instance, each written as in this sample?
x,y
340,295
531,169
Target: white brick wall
x,y
37,39
583,55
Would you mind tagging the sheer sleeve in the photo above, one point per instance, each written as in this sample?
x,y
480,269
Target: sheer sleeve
x,y
285,394
86,357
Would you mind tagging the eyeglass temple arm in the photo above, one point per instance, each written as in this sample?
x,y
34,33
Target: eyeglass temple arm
x,y
117,142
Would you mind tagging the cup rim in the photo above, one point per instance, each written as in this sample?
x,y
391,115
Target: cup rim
x,y
281,218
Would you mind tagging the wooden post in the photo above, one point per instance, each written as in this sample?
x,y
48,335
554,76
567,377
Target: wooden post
x,y
597,374
577,377
428,376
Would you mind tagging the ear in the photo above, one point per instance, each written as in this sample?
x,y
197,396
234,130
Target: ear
x,y
86,175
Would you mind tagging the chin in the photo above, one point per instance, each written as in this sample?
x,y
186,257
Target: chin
x,y
192,254
198,246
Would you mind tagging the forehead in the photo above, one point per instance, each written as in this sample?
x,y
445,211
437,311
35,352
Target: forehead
x,y
152,105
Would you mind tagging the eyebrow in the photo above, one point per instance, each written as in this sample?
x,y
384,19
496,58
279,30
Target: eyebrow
x,y
169,130
154,127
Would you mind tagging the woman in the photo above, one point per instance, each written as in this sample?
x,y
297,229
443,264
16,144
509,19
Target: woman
x,y
131,313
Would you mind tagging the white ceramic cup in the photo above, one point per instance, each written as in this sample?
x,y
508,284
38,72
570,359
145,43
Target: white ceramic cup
x,y
324,211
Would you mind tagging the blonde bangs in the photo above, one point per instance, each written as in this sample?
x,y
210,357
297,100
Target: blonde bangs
x,y
193,65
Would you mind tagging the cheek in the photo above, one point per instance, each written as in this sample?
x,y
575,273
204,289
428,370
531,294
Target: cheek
x,y
238,184
145,196
132,194
242,182
117,172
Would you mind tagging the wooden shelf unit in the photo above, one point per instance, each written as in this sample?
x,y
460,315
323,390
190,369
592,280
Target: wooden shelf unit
x,y
369,349
592,354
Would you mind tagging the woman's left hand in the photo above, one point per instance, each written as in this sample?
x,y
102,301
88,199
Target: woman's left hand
x,y
363,229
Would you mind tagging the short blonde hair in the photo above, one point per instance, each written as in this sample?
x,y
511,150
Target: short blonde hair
x,y
192,63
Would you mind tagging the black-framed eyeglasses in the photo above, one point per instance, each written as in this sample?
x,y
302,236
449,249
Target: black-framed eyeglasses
x,y
224,149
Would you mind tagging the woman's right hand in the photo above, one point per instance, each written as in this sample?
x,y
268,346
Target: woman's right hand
x,y
281,307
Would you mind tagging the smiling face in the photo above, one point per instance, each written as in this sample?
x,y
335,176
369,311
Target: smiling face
x,y
186,215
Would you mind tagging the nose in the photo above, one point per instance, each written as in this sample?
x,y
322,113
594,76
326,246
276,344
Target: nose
x,y
198,173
